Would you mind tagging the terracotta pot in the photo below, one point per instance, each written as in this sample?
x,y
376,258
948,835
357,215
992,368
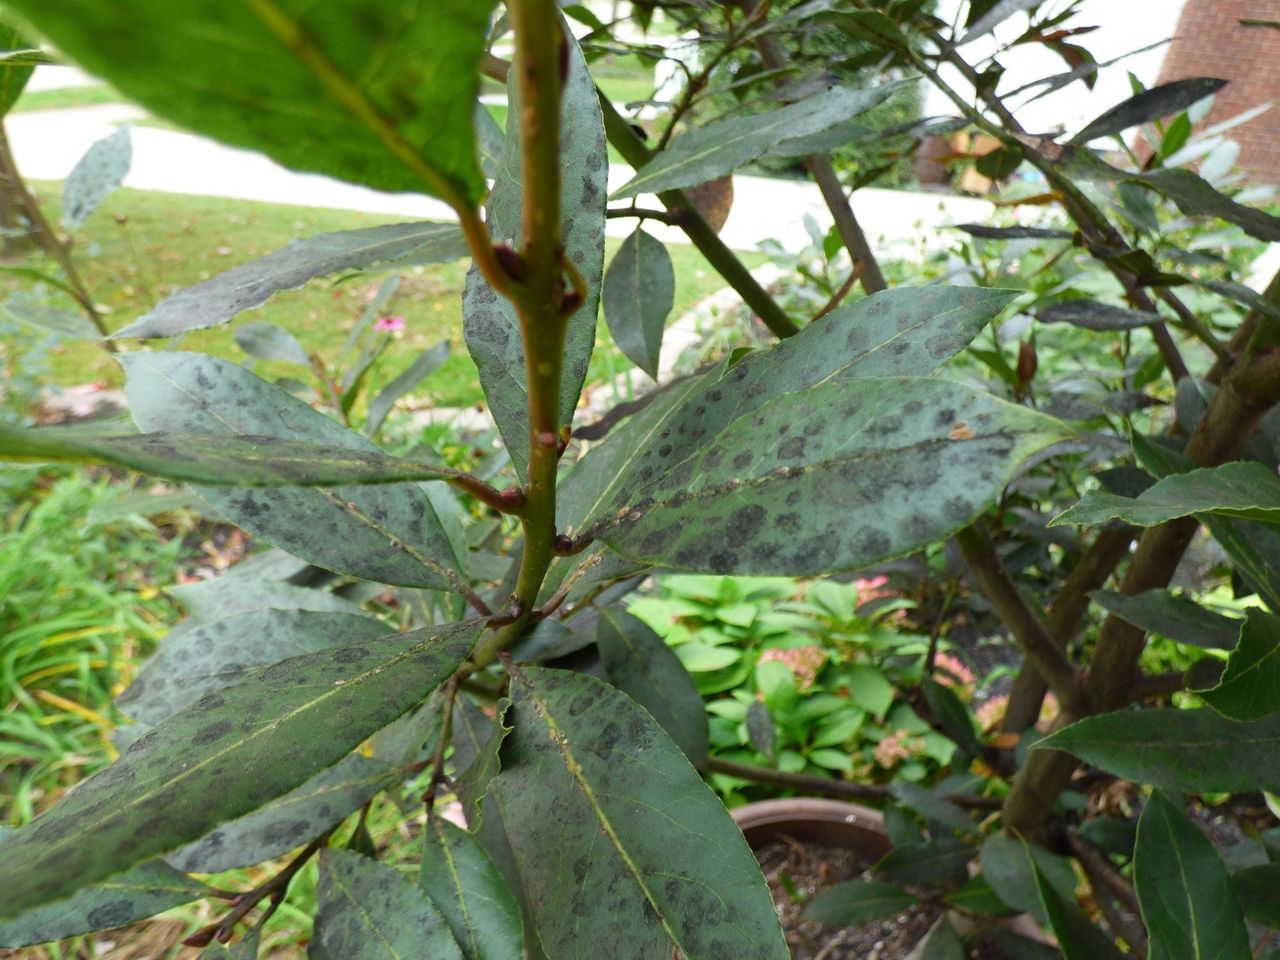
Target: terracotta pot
x,y
837,823
829,823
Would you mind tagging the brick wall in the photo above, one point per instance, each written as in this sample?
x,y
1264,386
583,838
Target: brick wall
x,y
1209,42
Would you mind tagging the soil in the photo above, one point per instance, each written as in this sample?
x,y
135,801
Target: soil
x,y
810,869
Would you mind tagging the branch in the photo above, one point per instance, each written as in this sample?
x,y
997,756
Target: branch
x,y
1109,886
723,260
838,789
824,174
1063,618
1002,593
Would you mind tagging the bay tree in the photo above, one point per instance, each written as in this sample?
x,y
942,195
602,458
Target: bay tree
x,y
280,708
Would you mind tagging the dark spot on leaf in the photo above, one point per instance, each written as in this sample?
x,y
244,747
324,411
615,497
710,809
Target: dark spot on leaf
x,y
111,914
792,449
743,460
212,733
350,655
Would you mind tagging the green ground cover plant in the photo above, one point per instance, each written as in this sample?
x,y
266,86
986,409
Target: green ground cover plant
x,y
431,620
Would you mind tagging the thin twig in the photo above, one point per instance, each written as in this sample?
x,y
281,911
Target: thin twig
x,y
838,789
442,744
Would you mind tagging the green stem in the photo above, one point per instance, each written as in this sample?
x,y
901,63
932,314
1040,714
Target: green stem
x,y
539,298
723,260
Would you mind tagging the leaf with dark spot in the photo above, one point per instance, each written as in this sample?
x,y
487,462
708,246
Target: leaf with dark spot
x,y
1159,101
901,332
291,820
467,889
883,476
640,664
287,723
220,654
252,284
711,151
657,865
133,895
489,322
219,598
95,176
1092,315
369,911
985,232
372,93
391,534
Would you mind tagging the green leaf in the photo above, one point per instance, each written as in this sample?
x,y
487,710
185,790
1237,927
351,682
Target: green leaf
x,y
932,807
210,657
762,731
1190,751
976,896
1258,890
225,596
639,291
906,331
1007,866
136,894
852,903
1092,315
1078,938
66,323
95,176
217,459
476,741
996,14
428,362
392,534
718,148
641,859
489,322
1243,490
1192,194
370,92
984,232
266,341
289,821
467,889
1172,615
640,664
773,490
17,63
252,284
952,717
1160,101
1250,686
942,943
934,863
1188,905
222,757
369,911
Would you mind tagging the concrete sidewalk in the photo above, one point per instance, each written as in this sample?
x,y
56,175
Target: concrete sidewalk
x,y
47,144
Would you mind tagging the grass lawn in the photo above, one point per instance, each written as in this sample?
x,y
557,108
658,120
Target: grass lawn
x,y
67,97
143,246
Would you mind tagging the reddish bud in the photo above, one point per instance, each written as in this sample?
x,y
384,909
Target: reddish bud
x,y
511,262
564,545
512,498
547,439
571,302
1027,362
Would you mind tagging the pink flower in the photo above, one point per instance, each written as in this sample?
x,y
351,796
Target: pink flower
x,y
389,324
872,588
952,673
